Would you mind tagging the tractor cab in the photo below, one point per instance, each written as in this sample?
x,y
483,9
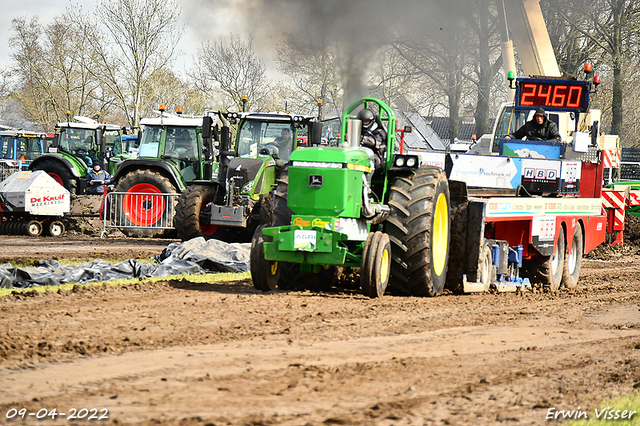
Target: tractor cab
x,y
76,146
175,141
19,148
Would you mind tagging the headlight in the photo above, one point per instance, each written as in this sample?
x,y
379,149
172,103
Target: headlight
x,y
399,162
411,162
248,186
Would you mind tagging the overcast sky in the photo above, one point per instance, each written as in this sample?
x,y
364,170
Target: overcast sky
x,y
205,19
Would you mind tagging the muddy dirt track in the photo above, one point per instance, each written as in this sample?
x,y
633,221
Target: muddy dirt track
x,y
187,353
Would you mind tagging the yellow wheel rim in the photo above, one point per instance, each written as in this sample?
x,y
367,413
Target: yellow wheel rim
x,y
440,235
274,268
384,265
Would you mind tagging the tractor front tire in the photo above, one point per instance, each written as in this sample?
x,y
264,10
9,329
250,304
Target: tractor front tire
x,y
375,266
60,173
264,274
141,211
419,231
188,221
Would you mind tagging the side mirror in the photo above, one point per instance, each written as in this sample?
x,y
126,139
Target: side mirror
x,y
207,123
315,135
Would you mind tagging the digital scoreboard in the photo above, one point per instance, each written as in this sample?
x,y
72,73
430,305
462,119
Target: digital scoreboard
x,y
567,95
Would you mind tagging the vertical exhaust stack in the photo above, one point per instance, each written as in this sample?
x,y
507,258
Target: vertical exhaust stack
x,y
353,132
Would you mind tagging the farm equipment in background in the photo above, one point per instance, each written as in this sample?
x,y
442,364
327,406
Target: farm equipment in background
x,y
218,199
241,195
19,148
32,203
160,167
76,146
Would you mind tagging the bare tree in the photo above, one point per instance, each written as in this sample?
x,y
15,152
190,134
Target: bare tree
x,y
48,67
310,64
610,26
230,65
130,41
441,56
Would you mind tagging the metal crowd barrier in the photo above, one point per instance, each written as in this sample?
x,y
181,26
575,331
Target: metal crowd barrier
x,y
138,210
7,170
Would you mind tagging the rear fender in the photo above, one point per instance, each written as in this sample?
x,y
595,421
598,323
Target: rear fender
x,y
159,166
77,167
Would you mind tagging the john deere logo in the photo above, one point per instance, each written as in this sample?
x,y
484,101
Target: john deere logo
x,y
315,181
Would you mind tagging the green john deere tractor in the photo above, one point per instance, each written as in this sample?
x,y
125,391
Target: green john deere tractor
x,y
393,225
74,149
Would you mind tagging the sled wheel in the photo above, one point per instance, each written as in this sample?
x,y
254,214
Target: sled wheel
x,y
573,259
33,228
485,274
60,173
56,228
419,231
147,209
377,266
547,271
189,221
264,274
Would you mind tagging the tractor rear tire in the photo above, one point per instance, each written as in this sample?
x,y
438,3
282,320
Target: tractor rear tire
x,y
281,214
573,259
419,231
375,269
264,274
548,270
148,212
187,221
60,173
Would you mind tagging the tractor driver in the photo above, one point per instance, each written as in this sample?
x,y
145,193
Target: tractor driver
x,y
374,137
184,145
283,142
540,128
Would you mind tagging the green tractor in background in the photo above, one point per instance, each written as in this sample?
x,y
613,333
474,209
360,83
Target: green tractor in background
x,y
171,153
75,147
242,196
393,225
221,187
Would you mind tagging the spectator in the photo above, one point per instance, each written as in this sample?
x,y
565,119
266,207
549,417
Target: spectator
x,y
97,179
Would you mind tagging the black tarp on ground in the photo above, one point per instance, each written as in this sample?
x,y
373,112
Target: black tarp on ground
x,y
195,256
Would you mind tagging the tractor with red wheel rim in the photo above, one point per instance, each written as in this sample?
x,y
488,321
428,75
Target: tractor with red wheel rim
x,y
222,186
74,149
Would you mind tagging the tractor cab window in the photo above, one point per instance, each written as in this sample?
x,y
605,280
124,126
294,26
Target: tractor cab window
x,y
113,141
6,147
150,142
182,143
275,139
78,141
508,121
25,148
330,132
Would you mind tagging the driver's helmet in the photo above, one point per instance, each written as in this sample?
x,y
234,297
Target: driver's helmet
x,y
367,118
